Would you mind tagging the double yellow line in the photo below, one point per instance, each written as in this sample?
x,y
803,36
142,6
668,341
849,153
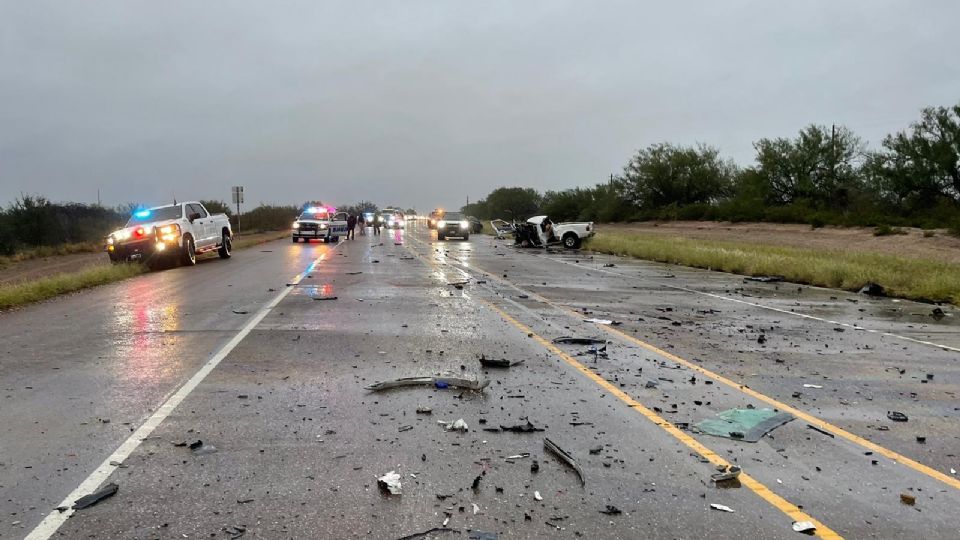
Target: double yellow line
x,y
785,506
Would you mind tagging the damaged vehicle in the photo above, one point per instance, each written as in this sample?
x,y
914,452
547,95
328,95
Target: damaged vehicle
x,y
541,231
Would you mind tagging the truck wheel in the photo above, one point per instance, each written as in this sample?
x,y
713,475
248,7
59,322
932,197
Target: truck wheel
x,y
440,237
295,239
571,241
188,254
466,237
225,246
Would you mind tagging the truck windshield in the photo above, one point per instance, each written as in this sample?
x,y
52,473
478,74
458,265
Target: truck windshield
x,y
149,215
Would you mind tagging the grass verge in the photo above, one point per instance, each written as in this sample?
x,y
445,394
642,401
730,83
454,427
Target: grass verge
x,y
48,287
917,279
49,251
20,294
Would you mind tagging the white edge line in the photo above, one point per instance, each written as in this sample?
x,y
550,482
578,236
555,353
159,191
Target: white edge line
x,y
761,306
55,519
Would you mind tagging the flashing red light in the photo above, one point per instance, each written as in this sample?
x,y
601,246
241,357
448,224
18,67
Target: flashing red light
x,y
139,231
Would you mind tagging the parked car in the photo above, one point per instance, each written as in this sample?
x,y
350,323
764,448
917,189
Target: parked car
x,y
318,223
175,232
541,231
453,224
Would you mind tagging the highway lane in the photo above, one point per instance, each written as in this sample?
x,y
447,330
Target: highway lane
x,y
300,442
80,372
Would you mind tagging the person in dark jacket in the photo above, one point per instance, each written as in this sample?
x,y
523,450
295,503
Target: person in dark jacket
x,y
351,225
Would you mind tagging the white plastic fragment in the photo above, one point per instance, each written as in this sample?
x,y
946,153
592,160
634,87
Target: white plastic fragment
x,y
953,471
721,507
812,386
459,425
536,495
599,321
804,526
390,482
476,509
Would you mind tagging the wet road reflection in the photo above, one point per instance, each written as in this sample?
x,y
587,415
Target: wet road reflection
x,y
140,324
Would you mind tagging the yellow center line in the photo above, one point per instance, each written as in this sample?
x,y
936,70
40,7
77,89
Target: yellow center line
x,y
750,482
822,424
765,493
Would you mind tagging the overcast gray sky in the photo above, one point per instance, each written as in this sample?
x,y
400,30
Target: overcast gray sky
x,y
426,103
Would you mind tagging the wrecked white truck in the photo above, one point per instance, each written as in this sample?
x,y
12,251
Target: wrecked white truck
x,y
541,231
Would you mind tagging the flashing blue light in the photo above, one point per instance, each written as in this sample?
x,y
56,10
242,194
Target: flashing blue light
x,y
142,213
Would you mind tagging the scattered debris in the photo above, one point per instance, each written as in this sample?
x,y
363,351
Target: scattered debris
x,y
105,492
611,510
727,473
428,533
390,482
200,449
579,341
476,509
897,416
603,321
481,535
820,430
765,279
519,456
535,467
424,410
467,384
241,311
458,425
721,507
521,428
907,499
744,424
872,289
502,363
812,386
537,496
324,297
564,457
938,313
805,527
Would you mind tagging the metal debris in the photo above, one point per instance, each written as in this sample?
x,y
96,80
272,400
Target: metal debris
x,y
493,363
727,473
806,527
537,496
897,416
467,384
521,428
428,533
721,507
458,425
579,341
611,510
765,279
105,492
564,457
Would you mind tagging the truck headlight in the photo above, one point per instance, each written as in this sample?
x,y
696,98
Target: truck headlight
x,y
464,224
442,223
296,225
110,240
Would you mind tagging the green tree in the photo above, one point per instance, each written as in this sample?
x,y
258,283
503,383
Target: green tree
x,y
920,165
664,174
512,203
820,166
217,207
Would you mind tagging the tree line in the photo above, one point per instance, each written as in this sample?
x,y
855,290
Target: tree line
x,y
823,175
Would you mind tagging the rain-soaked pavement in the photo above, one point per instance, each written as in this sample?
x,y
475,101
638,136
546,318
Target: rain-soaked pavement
x,y
265,358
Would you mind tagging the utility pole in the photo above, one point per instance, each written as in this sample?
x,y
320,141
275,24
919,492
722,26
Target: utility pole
x,y
833,153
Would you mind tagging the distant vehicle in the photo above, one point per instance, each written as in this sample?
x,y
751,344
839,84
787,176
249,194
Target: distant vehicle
x,y
435,216
453,224
475,224
368,218
393,218
541,231
175,232
319,223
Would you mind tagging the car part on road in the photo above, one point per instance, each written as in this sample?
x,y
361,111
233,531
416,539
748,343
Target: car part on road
x,y
611,510
521,428
456,382
721,507
458,425
897,416
565,458
424,410
579,341
765,279
324,297
494,363
390,482
823,431
805,527
728,473
599,321
872,289
747,425
428,533
105,492
908,499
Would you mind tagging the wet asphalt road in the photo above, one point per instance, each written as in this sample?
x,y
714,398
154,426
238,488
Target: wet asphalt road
x,y
300,443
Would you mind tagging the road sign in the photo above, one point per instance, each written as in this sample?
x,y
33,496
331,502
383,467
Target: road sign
x,y
237,192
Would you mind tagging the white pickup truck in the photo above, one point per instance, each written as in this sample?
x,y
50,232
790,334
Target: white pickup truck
x,y
317,223
176,232
541,231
